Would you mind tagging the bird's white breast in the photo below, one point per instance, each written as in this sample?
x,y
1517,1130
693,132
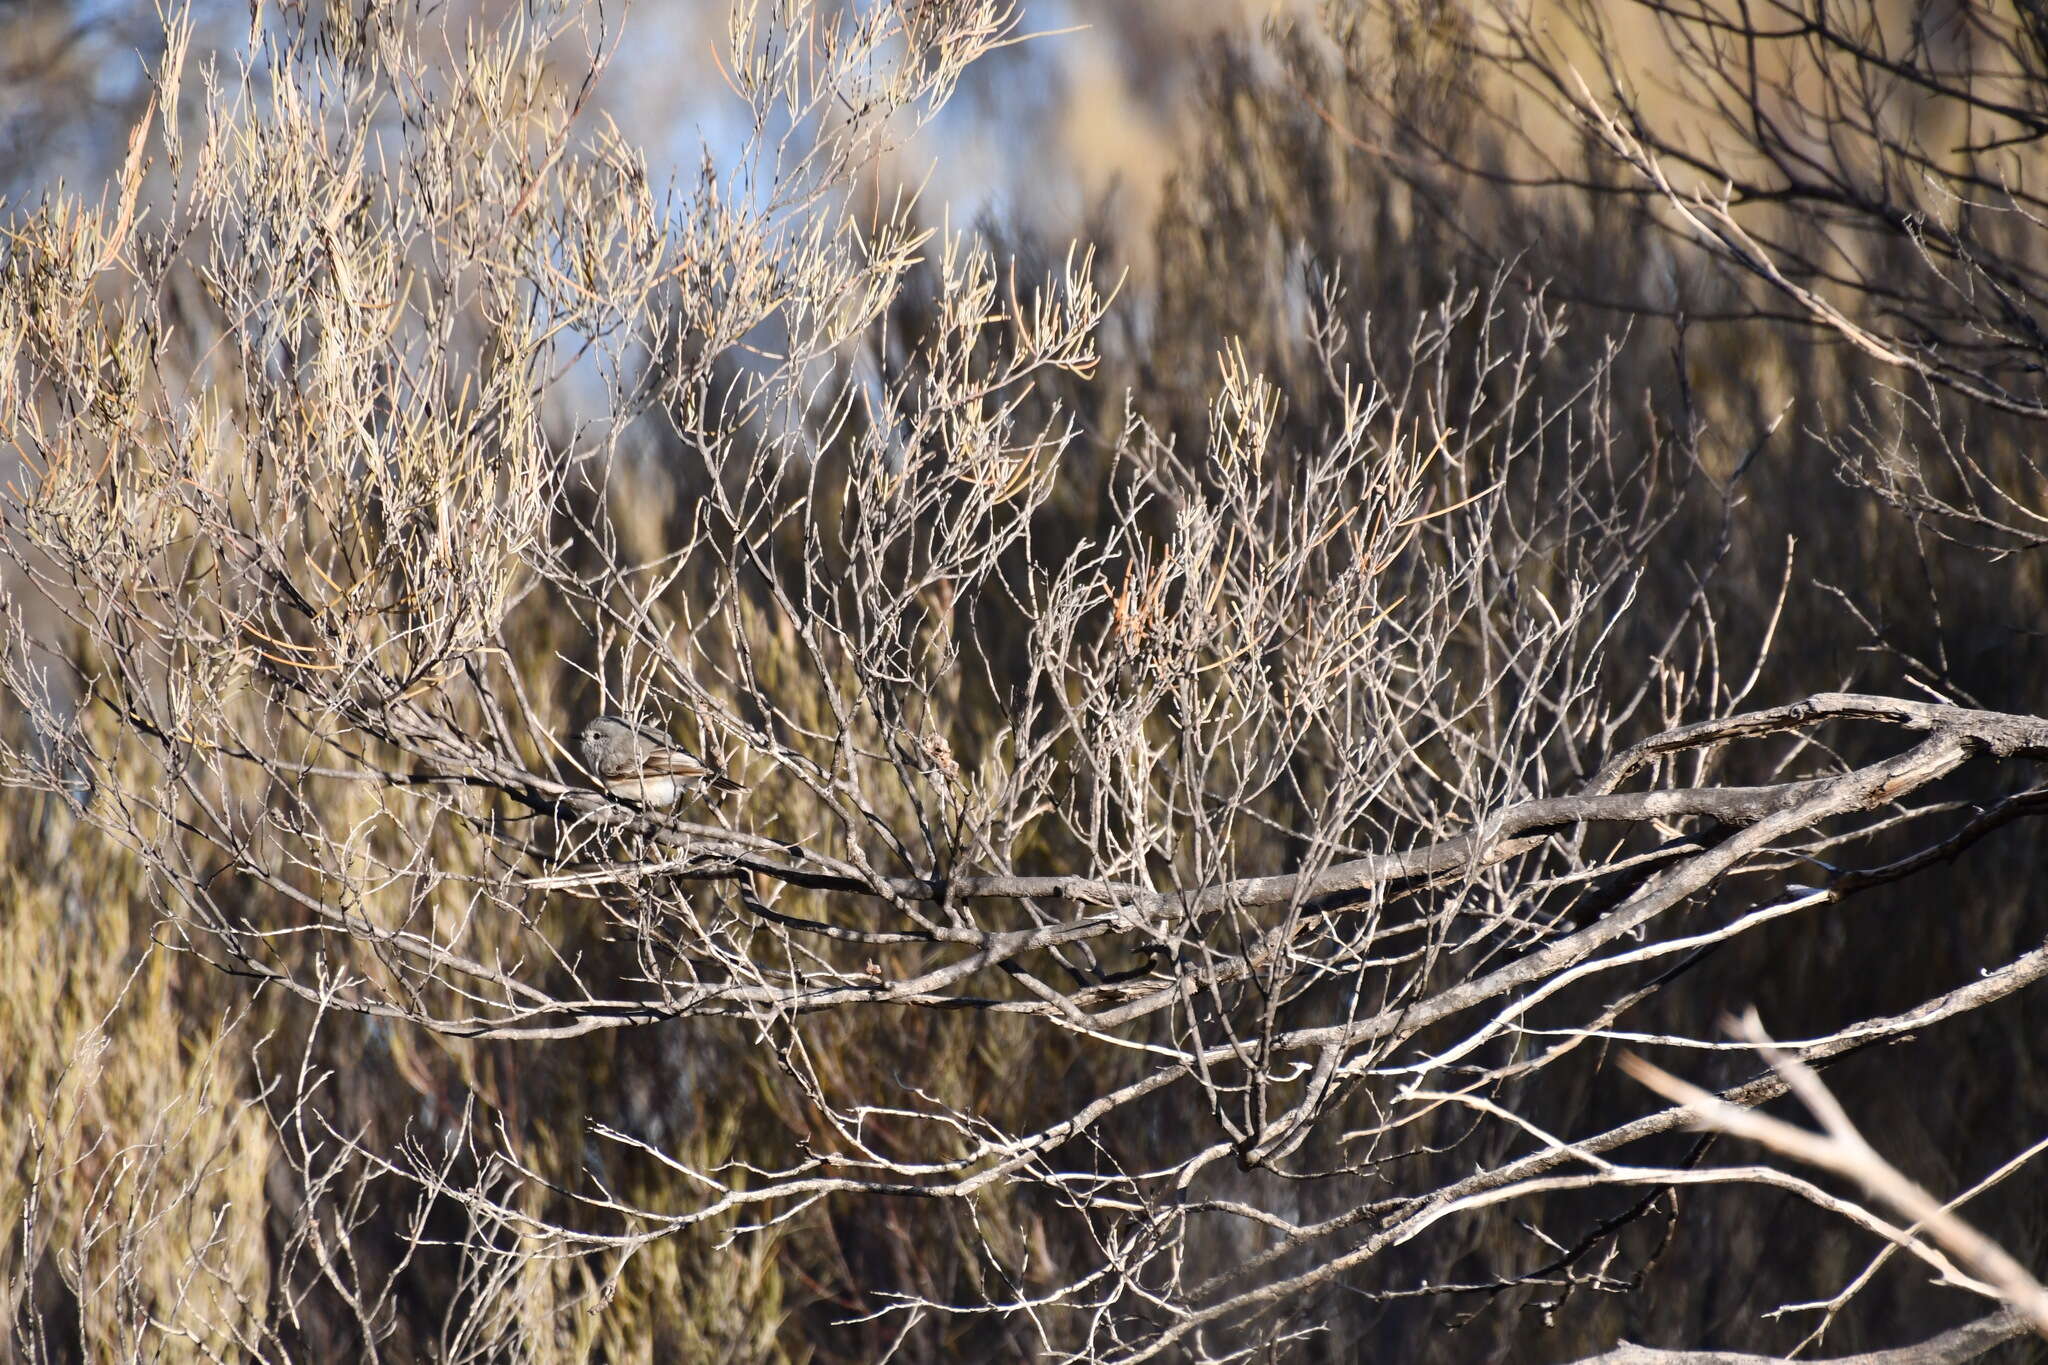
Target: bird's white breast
x,y
655,791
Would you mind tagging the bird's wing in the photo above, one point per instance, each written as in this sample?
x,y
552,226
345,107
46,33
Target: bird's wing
x,y
670,761
663,757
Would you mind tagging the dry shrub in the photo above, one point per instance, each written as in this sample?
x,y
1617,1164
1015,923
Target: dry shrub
x,y
1223,763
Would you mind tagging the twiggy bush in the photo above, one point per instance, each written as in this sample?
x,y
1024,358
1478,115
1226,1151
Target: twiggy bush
x,y
1181,863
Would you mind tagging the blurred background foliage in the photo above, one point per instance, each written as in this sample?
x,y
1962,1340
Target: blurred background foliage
x,y
1228,161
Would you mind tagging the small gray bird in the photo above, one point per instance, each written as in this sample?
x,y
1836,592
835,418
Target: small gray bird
x,y
644,764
